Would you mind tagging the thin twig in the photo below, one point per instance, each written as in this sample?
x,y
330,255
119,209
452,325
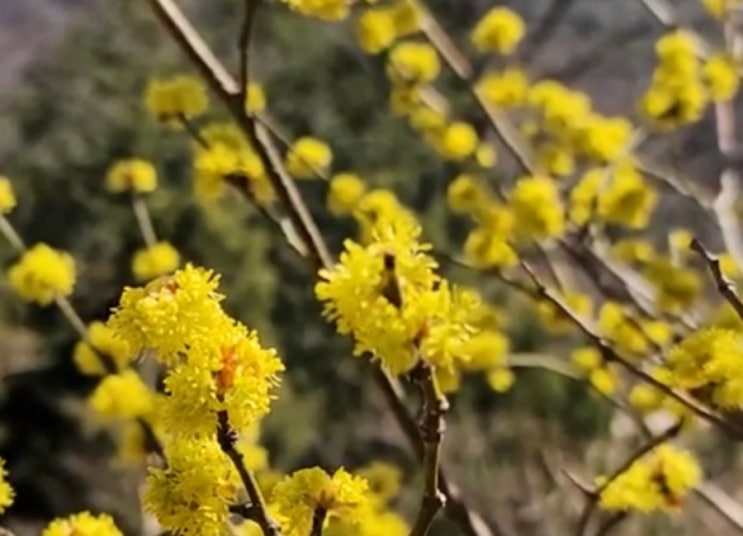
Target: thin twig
x,y
724,285
7,230
227,438
243,46
318,520
144,221
432,426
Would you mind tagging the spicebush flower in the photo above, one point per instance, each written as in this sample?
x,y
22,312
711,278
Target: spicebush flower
x,y
132,175
7,196
100,340
122,396
179,97
154,261
83,524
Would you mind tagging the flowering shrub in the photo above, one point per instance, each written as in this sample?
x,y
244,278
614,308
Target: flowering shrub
x,y
654,329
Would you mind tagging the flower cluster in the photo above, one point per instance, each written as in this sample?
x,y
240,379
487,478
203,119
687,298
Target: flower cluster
x,y
133,175
500,30
154,261
176,99
656,482
42,274
100,340
378,27
7,494
7,196
308,157
83,524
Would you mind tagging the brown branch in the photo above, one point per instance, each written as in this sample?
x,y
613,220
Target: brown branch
x,y
318,520
724,285
227,438
243,46
432,427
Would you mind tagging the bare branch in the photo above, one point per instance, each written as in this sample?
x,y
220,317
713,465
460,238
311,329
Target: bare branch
x,y
724,285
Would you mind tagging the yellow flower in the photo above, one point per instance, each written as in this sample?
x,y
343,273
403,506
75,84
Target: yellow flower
x,y
156,260
656,482
586,359
555,159
537,208
345,192
633,250
603,380
626,198
375,30
466,195
722,77
645,398
325,10
676,286
255,98
553,319
342,496
505,89
308,157
413,62
133,175
193,493
486,156
499,31
172,99
486,350
406,16
719,8
483,250
41,274
83,524
7,495
122,396
223,162
605,139
500,379
7,196
100,340
457,141
384,480
172,314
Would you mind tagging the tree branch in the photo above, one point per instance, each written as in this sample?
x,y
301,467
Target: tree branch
x,y
724,285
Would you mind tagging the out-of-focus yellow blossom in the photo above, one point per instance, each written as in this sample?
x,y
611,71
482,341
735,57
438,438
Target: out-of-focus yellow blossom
x,y
413,62
325,10
233,374
428,121
555,159
485,156
679,241
645,397
378,524
172,314
193,493
500,30
710,362
487,245
83,524
677,94
155,260
7,196
406,99
603,379
101,340
627,199
375,29
406,16
375,206
387,296
605,139
307,157
505,89
561,109
722,78
656,482
586,359
552,318
255,98
220,162
7,494
131,442
122,396
719,8
457,141
726,317
486,350
342,496
172,99
344,193
729,265
632,337
467,195
676,286
449,380
41,274
500,379
633,250
384,480
133,175
537,208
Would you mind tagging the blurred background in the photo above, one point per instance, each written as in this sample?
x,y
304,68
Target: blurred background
x,y
72,73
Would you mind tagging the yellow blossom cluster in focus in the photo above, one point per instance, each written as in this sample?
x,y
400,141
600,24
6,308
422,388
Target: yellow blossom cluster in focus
x,y
42,274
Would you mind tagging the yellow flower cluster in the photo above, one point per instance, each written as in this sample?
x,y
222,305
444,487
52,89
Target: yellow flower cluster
x,y
7,494
600,374
378,205
343,496
41,274
656,482
7,196
677,287
324,10
537,208
228,157
344,193
100,340
83,524
123,396
554,320
720,8
677,94
388,297
255,98
133,175
155,260
505,89
500,30
377,28
630,336
618,195
413,63
216,364
308,157
172,100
